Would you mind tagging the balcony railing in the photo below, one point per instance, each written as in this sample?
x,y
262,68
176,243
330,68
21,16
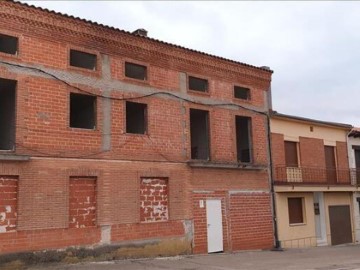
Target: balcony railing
x,y
316,176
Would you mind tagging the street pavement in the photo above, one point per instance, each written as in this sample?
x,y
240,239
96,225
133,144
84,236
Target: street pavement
x,y
320,258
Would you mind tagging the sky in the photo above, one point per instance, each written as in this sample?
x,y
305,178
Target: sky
x,y
312,47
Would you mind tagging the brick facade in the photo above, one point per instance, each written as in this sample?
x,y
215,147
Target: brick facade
x,y
85,187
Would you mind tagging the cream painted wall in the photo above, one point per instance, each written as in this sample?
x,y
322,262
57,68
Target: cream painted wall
x,y
341,198
292,130
296,236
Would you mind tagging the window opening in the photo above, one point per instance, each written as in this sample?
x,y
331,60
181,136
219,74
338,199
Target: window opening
x,y
197,84
241,92
135,71
8,44
82,60
7,114
199,131
243,138
82,111
136,118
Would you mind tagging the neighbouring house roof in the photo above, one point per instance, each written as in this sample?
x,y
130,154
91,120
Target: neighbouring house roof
x,y
275,114
263,68
355,133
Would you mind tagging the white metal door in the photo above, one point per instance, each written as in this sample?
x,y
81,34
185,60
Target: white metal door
x,y
214,226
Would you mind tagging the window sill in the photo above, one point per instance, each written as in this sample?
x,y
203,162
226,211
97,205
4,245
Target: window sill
x,y
240,100
83,129
297,224
84,71
217,165
200,93
137,134
136,81
13,157
10,55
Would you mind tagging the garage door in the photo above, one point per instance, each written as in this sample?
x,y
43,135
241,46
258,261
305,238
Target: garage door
x,y
340,224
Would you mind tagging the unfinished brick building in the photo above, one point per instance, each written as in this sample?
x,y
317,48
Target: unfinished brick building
x,y
111,137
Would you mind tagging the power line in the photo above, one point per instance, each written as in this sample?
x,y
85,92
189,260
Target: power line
x,y
136,97
62,153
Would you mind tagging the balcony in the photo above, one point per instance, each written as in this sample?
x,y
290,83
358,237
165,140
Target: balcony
x,y
315,176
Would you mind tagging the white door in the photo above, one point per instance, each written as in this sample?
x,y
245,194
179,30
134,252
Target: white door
x,y
320,225
214,226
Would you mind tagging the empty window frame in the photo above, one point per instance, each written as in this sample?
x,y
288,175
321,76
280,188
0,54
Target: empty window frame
x,y
291,154
197,84
295,207
135,71
241,92
7,114
136,118
199,132
82,111
243,138
8,44
82,60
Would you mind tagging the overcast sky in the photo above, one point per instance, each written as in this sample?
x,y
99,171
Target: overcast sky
x,y
313,47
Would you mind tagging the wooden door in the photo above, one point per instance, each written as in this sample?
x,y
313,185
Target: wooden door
x,y
330,164
340,224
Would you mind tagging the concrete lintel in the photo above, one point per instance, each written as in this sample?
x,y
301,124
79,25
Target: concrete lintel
x,y
14,157
249,191
203,191
237,166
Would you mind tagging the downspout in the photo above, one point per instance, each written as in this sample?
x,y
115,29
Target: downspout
x,y
277,246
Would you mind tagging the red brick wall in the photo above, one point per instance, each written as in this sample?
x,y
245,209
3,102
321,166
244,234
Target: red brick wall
x,y
200,222
126,232
342,155
222,179
246,220
277,149
47,239
43,103
154,200
312,153
251,221
82,205
342,162
8,203
43,130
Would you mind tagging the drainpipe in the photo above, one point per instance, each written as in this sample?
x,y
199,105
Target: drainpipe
x,y
277,246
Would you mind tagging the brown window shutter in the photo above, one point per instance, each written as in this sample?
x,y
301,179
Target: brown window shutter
x,y
295,210
291,158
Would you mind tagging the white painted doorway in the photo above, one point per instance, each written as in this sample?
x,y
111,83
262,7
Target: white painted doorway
x,y
320,225
214,226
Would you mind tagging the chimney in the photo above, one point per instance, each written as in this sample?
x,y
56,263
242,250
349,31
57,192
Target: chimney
x,y
140,32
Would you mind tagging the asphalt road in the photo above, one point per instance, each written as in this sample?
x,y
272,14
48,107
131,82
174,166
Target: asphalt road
x,y
320,258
